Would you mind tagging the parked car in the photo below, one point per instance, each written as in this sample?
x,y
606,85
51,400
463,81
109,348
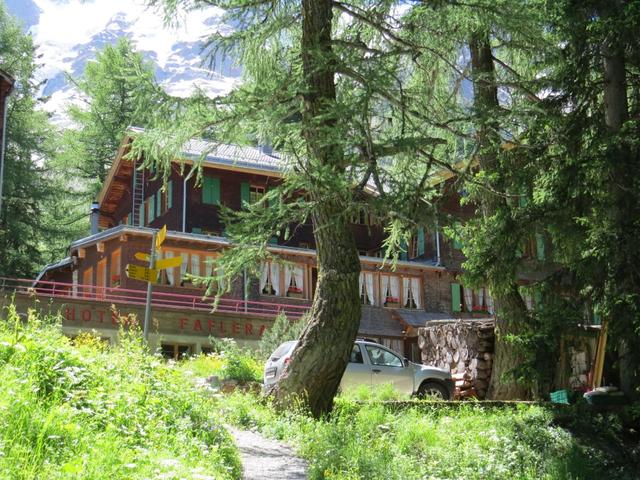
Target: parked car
x,y
374,364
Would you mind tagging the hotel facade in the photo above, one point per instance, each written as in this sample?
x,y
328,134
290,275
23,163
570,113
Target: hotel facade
x,y
90,285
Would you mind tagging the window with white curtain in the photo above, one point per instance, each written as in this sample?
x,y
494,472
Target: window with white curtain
x,y
390,288
411,297
270,279
367,293
294,280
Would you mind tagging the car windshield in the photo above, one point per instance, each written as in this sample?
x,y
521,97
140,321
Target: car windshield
x,y
282,349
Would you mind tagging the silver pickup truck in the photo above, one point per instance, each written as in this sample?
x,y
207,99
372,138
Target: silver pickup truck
x,y
374,364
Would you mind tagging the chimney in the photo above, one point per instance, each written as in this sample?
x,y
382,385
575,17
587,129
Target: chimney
x,y
265,148
95,215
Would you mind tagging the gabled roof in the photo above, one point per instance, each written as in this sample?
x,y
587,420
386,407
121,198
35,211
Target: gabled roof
x,y
212,154
222,155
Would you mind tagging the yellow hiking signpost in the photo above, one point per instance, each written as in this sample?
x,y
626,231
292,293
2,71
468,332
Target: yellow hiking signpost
x,y
150,274
142,273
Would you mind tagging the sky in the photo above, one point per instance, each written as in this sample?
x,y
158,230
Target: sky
x,y
68,33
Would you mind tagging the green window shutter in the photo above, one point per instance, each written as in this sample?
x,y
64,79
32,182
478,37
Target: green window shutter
x,y
152,208
211,191
404,254
170,194
540,246
455,298
523,200
420,242
206,191
457,243
244,193
215,191
141,207
596,319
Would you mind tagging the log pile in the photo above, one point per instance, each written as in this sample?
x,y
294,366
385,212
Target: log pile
x,y
465,348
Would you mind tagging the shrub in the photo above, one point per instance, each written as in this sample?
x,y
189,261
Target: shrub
x,y
237,363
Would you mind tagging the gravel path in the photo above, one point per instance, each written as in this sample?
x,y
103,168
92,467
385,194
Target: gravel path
x,y
266,459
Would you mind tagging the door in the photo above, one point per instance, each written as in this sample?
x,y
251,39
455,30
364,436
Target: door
x,y
358,372
387,367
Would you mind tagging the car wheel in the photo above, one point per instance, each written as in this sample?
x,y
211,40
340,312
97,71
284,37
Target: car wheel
x,y
433,390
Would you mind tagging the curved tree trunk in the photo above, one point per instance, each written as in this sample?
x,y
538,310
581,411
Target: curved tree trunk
x,y
319,360
511,312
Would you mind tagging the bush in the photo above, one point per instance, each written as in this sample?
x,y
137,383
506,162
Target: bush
x,y
281,331
87,411
237,363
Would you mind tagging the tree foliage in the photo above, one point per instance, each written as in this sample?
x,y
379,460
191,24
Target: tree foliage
x,y
119,90
28,190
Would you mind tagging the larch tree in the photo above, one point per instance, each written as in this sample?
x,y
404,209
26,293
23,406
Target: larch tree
x,y
323,85
118,90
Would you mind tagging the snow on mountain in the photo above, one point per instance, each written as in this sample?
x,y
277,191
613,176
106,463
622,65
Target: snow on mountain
x,y
69,33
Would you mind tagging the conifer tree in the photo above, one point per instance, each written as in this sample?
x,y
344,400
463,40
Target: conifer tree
x,y
119,90
27,188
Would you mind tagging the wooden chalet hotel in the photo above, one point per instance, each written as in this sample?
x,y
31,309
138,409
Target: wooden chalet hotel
x,y
133,202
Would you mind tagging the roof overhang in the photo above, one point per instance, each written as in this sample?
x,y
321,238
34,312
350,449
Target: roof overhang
x,y
6,83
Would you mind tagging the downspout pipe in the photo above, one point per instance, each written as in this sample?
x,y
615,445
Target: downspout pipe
x,y
184,198
4,140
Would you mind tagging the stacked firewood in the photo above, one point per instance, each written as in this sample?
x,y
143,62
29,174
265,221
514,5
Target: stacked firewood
x,y
465,348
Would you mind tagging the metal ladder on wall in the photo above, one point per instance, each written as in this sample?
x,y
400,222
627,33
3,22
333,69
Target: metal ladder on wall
x,y
137,195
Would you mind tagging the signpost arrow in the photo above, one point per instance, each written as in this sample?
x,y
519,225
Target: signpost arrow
x,y
145,274
144,257
168,263
162,234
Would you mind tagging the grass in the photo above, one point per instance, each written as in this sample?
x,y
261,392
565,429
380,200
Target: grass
x,y
86,411
369,440
83,410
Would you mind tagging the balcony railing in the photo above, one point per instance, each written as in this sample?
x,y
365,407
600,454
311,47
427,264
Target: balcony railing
x,y
124,296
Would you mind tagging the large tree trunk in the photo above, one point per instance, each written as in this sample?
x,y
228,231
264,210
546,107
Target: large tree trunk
x,y
622,268
319,360
511,312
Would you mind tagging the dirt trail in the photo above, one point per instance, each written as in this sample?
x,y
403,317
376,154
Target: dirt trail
x,y
266,459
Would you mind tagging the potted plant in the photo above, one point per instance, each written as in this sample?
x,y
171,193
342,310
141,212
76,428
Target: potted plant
x,y
294,292
392,302
115,280
479,311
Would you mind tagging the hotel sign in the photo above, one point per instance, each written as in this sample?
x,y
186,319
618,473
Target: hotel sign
x,y
85,314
